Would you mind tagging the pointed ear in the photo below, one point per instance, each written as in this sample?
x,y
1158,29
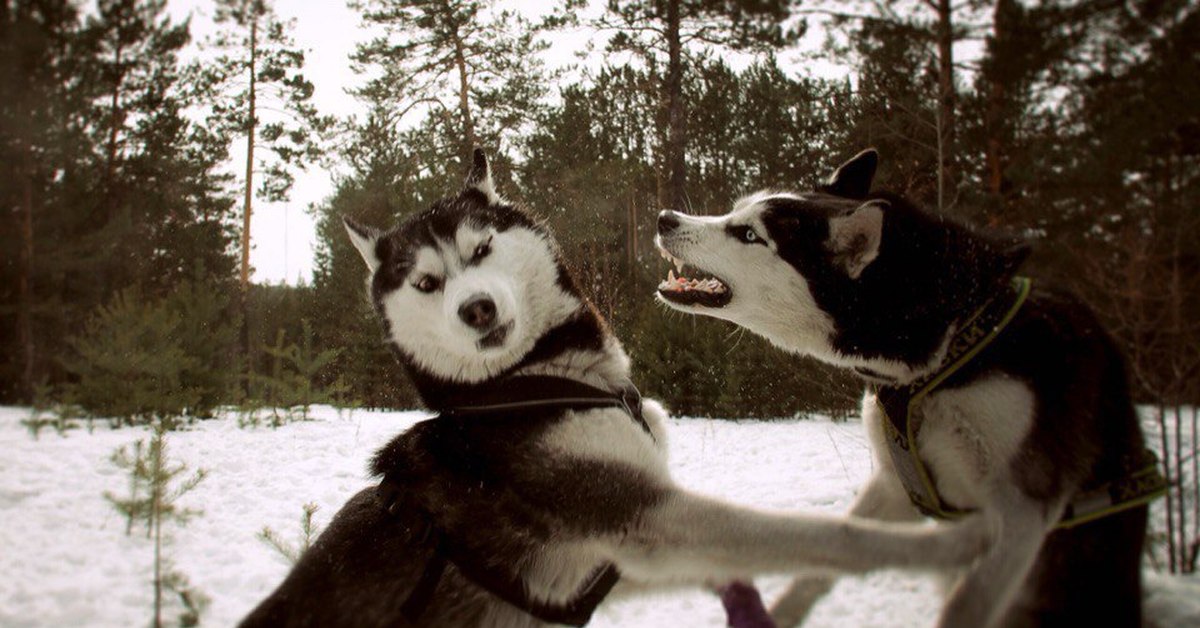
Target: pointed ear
x,y
480,177
853,178
364,239
854,238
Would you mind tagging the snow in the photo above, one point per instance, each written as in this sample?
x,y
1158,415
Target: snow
x,y
67,560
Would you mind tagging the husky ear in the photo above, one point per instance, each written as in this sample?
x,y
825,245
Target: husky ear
x,y
364,239
480,177
853,178
854,238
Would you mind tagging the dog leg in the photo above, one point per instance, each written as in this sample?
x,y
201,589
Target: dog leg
x,y
989,587
692,537
883,498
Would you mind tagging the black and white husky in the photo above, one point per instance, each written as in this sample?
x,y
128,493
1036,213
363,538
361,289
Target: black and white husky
x,y
1026,418
543,481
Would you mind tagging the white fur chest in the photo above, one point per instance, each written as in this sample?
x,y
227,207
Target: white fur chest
x,y
611,435
969,436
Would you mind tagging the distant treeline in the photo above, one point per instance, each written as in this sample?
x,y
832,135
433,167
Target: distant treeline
x,y
1078,127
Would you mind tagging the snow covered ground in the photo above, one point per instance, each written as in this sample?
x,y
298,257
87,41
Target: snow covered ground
x,y
66,560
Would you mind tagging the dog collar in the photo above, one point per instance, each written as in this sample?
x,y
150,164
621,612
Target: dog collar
x,y
1140,481
901,404
525,392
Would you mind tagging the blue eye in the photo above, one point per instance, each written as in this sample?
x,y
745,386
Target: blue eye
x,y
482,250
749,236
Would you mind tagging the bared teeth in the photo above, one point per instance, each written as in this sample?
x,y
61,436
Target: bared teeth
x,y
679,283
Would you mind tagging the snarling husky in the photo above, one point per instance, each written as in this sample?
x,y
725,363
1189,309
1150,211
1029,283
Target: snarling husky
x,y
984,394
542,486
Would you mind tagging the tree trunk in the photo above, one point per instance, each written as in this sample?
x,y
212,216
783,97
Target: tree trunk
x,y
1180,476
251,123
676,142
1161,416
946,103
25,279
994,123
156,499
1195,488
631,238
114,120
464,102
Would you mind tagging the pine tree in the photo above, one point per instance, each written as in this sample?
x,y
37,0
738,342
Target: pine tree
x,y
308,533
475,69
137,359
130,363
160,211
661,33
104,165
292,380
156,484
922,34
256,70
40,45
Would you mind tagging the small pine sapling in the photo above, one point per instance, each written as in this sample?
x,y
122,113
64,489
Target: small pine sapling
x,y
307,363
155,488
308,533
45,412
290,389
194,602
154,484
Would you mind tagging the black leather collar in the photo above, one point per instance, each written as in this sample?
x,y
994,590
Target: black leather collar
x,y
545,391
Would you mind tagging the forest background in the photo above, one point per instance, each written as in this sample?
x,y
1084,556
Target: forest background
x,y
124,232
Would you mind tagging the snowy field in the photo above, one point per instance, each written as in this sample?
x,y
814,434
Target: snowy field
x,y
66,560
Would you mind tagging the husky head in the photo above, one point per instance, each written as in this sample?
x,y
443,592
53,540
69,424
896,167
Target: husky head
x,y
467,288
850,277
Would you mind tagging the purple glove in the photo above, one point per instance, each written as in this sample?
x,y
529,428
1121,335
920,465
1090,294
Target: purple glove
x,y
743,606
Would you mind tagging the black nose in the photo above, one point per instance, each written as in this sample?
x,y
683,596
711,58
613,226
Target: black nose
x,y
478,312
668,221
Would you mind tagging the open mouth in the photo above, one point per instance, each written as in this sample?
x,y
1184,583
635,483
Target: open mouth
x,y
496,337
698,289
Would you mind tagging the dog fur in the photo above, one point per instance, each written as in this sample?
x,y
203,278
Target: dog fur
x,y
548,494
871,282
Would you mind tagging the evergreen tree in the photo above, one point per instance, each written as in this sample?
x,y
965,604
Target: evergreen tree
x,y
661,33
475,69
115,186
156,484
136,360
257,70
39,125
161,212
922,35
130,363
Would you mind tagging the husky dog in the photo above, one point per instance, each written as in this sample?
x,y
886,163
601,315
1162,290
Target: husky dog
x,y
1025,431
543,481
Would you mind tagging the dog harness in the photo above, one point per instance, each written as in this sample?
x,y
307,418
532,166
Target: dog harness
x,y
515,393
1140,481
